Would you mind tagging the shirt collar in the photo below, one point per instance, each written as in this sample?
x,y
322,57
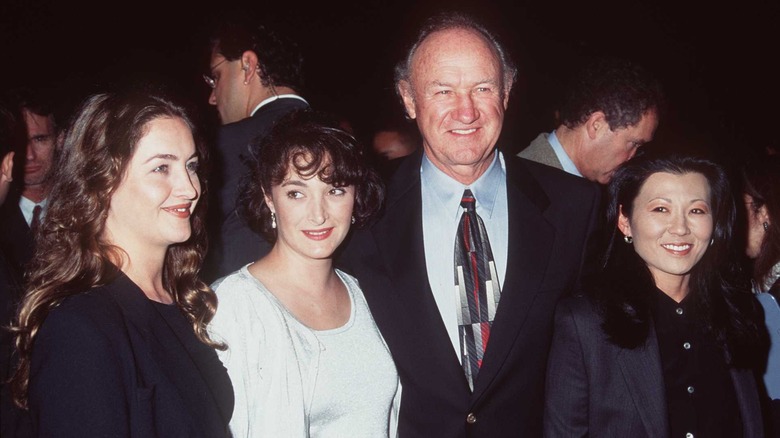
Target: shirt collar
x,y
450,191
277,97
563,157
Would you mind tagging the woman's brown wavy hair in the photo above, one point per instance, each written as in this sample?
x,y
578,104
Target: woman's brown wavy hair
x,y
72,255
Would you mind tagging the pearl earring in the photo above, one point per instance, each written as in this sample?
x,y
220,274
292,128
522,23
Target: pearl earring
x,y
273,220
628,239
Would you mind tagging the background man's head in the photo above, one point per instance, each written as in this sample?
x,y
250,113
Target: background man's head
x,y
455,81
615,105
36,155
249,63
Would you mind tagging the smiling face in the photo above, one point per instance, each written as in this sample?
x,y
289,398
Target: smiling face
x,y
151,207
312,217
458,96
671,225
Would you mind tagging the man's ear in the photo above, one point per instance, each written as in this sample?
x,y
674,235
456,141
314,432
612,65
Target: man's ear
x,y
508,82
596,125
623,223
250,64
407,95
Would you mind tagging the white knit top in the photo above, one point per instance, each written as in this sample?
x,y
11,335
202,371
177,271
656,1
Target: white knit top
x,y
292,381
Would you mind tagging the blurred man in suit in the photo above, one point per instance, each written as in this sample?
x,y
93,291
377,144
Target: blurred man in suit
x,y
256,77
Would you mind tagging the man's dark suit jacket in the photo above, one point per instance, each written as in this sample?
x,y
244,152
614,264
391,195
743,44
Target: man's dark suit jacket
x,y
550,216
595,388
233,244
16,239
106,363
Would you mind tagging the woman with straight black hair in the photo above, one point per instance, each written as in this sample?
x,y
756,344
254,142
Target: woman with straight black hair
x,y
663,342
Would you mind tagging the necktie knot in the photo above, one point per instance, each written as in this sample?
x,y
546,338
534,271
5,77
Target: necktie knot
x,y
467,201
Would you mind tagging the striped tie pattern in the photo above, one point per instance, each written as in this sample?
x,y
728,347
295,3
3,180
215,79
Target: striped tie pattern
x,y
477,287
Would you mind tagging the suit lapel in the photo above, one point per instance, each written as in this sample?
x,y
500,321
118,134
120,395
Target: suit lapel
x,y
530,237
641,368
400,235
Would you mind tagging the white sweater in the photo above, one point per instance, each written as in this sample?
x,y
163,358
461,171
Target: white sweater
x,y
272,359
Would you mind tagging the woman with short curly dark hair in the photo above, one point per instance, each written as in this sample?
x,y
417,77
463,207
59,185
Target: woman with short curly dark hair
x,y
304,354
111,334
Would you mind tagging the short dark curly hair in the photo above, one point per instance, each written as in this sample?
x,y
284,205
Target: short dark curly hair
x,y
313,144
622,90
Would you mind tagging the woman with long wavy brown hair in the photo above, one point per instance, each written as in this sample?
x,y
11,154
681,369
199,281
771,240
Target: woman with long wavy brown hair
x,y
111,334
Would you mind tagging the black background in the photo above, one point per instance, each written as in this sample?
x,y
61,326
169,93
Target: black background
x,y
717,62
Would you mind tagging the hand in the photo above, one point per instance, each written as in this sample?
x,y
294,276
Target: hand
x,y
6,170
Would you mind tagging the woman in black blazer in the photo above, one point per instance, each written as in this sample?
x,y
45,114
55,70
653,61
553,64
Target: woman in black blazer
x,y
664,341
111,334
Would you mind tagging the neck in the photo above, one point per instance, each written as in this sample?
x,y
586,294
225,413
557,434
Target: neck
x,y
36,193
675,288
262,93
143,265
283,264
572,142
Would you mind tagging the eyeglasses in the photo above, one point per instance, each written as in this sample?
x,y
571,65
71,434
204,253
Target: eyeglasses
x,y
212,82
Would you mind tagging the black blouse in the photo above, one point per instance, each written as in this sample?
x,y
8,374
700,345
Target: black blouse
x,y
700,396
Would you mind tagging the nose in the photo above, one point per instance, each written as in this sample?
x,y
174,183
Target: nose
x,y
213,96
466,111
679,224
30,155
188,186
317,211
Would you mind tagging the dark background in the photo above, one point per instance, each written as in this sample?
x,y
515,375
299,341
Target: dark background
x,y
717,63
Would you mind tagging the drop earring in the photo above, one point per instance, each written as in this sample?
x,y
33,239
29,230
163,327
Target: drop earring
x,y
353,220
273,220
766,226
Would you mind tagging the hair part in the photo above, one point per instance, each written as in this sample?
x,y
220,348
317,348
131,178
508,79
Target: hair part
x,y
72,256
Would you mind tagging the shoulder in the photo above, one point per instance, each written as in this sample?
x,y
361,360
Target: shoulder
x,y
579,312
236,290
94,308
540,144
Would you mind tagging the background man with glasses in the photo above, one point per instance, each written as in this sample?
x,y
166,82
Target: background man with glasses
x,y
256,77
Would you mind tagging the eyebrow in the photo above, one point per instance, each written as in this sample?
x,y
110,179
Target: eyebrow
x,y
293,183
171,157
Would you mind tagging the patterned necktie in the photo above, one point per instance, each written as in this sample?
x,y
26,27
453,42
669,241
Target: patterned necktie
x,y
476,283
36,218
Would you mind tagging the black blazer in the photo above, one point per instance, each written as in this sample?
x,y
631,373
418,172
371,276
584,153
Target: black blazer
x,y
597,389
106,364
16,239
233,244
550,216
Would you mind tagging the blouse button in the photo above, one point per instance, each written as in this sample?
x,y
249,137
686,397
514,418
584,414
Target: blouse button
x,y
471,418
690,390
687,345
688,435
679,310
